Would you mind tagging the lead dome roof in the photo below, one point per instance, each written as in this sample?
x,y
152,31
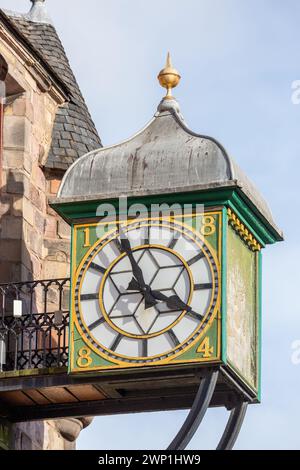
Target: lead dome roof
x,y
164,157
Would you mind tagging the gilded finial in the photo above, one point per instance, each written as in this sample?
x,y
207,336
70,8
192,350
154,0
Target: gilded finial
x,y
169,77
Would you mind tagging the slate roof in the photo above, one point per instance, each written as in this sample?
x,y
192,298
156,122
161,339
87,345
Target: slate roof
x,y
74,132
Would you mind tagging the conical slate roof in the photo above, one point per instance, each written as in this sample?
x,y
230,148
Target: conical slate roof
x,y
165,157
74,133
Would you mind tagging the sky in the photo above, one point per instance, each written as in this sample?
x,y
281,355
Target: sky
x,y
238,60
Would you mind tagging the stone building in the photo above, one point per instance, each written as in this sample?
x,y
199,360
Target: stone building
x,y
44,126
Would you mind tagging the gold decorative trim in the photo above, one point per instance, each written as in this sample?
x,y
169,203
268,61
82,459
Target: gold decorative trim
x,y
242,231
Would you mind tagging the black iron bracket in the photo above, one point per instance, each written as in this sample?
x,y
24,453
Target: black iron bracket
x,y
233,427
201,403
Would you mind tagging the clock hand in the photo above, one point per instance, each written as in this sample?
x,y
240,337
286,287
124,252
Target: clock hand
x,y
138,281
136,270
172,302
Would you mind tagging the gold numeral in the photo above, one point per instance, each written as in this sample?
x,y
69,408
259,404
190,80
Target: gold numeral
x,y
208,225
84,358
87,242
205,348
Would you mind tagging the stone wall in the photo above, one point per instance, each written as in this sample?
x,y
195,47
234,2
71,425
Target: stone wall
x,y
29,228
58,434
34,241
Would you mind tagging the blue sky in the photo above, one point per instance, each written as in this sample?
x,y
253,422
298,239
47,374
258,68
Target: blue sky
x,y
238,60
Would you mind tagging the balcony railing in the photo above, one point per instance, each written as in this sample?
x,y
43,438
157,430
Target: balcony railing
x,y
34,324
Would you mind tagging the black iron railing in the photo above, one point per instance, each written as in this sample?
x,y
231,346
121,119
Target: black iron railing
x,y
34,324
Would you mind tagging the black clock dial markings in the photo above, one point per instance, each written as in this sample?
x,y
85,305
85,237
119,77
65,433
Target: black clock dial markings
x,y
146,241
144,348
194,315
196,258
116,342
84,297
175,341
96,323
113,282
173,242
203,286
97,267
153,258
139,326
178,277
138,306
122,298
146,237
143,294
117,317
118,245
152,324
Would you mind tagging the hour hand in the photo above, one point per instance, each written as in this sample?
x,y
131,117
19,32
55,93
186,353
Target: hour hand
x,y
172,302
150,301
133,285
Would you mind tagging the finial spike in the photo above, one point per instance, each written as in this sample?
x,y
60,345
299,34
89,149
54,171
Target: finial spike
x,y
168,61
38,12
169,77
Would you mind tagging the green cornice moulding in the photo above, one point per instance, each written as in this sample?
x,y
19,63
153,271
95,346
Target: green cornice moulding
x,y
73,212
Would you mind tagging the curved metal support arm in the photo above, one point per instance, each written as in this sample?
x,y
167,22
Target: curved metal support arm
x,y
198,410
233,427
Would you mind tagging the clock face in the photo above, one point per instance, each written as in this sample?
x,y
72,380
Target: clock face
x,y
145,292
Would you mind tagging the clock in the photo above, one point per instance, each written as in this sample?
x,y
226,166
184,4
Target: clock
x,y
145,292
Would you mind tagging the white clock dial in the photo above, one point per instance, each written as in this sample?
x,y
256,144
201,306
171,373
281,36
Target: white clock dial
x,y
146,293
162,270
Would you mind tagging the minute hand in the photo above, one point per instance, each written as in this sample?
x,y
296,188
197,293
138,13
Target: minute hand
x,y
136,270
138,274
172,302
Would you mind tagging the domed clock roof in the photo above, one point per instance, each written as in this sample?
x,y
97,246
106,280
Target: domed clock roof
x,y
164,157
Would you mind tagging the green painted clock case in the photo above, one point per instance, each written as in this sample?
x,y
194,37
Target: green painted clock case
x,y
240,221
211,330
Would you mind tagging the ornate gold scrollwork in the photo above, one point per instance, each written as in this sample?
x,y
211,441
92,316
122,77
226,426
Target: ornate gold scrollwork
x,y
242,231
